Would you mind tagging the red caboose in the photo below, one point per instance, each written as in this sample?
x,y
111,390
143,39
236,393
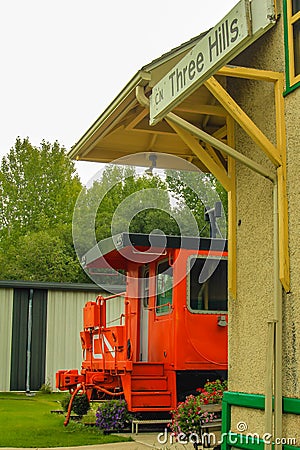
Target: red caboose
x,y
172,336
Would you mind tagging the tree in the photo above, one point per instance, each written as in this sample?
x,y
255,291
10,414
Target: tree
x,y
38,188
38,191
121,200
197,191
41,256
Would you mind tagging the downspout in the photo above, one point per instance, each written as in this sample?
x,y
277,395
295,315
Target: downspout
x,y
29,335
275,325
278,326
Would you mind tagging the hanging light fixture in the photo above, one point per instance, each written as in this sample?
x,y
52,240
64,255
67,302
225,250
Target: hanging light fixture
x,y
152,158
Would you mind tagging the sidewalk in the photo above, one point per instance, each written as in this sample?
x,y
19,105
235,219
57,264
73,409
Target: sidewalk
x,y
142,441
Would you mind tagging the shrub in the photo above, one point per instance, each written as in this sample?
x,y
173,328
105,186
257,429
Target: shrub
x,y
112,415
46,388
80,404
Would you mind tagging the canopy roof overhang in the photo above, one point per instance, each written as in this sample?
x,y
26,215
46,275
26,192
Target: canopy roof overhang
x,y
123,128
200,130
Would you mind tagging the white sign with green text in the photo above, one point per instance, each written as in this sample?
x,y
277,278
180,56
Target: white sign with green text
x,y
220,45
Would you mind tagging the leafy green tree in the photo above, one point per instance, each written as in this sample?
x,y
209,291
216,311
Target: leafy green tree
x,y
197,191
38,191
121,200
38,188
41,256
135,202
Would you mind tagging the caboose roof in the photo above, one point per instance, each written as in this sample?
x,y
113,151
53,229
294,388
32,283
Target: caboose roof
x,y
118,250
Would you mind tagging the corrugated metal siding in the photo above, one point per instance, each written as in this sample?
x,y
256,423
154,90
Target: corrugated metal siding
x,y
6,299
63,348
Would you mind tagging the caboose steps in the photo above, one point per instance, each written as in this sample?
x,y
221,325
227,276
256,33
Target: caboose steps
x,y
160,400
147,369
150,387
149,383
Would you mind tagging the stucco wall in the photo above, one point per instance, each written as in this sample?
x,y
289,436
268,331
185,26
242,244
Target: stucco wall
x,y
253,307
251,310
292,301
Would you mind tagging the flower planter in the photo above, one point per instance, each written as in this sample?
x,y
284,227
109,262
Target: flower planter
x,y
212,407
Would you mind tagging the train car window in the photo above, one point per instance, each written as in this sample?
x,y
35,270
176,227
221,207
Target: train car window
x,y
164,288
145,287
207,285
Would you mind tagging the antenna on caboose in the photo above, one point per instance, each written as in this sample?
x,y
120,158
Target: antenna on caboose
x,y
211,215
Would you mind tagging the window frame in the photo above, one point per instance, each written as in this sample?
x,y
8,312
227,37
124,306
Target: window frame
x,y
292,80
144,293
188,281
159,311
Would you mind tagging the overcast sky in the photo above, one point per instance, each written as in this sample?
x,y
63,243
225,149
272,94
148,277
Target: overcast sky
x,y
64,61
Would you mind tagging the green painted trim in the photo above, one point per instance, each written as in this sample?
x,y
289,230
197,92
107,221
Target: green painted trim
x,y
289,87
291,405
226,420
286,45
255,401
243,441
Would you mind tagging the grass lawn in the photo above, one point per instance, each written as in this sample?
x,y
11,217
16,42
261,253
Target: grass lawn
x,y
28,422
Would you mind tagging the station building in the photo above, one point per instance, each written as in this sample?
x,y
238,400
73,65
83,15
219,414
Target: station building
x,y
228,102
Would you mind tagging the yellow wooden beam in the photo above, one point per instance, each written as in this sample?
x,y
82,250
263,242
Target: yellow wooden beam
x,y
231,214
249,73
151,143
211,151
295,17
217,170
220,133
211,110
243,120
136,119
284,264
277,79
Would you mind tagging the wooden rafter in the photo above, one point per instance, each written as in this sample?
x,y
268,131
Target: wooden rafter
x,y
221,133
137,119
216,169
216,156
151,143
276,154
243,120
211,110
249,73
